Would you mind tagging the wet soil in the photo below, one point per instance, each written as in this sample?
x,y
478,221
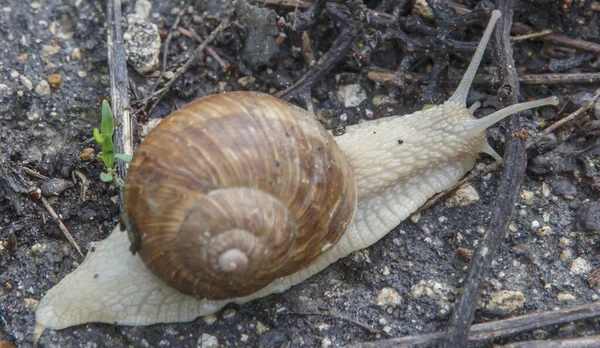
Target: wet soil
x,y
550,250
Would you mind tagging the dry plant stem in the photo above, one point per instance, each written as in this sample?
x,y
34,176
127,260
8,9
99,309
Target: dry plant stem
x,y
167,44
286,3
564,120
382,76
35,174
460,9
457,333
499,328
531,36
198,52
193,35
62,226
581,342
578,44
123,139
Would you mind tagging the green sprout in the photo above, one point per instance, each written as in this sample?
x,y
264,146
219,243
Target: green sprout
x,y
104,138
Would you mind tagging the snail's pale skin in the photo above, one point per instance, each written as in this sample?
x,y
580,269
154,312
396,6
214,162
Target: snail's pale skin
x,y
399,163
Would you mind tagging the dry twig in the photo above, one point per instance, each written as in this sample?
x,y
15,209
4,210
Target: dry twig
x,y
62,226
383,76
198,52
457,333
499,328
580,342
123,138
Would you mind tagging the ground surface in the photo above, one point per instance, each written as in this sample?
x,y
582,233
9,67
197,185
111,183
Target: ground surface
x,y
547,255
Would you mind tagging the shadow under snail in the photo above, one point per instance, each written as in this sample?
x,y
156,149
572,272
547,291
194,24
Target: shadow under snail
x,y
240,195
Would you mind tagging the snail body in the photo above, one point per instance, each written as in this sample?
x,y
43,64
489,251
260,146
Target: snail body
x,y
357,187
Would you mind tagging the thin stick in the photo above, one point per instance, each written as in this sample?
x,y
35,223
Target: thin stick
x,y
499,328
167,44
578,44
118,88
531,36
383,76
457,332
198,52
564,120
193,35
580,342
62,226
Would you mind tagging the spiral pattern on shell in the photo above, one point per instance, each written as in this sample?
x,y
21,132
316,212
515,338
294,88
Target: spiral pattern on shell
x,y
235,190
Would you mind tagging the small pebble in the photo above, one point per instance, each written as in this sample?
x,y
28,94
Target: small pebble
x,y
55,186
352,95
566,296
544,231
528,197
55,80
43,88
76,54
246,81
588,217
210,319
228,313
566,255
26,83
31,303
326,342
388,298
580,266
564,242
545,189
39,248
506,300
50,50
87,155
143,8
322,326
208,341
465,195
261,328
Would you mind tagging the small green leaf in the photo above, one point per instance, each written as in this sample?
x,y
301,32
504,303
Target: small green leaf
x,y
108,121
108,151
118,181
123,157
97,136
106,177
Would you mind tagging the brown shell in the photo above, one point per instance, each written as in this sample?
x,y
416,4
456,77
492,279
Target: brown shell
x,y
235,190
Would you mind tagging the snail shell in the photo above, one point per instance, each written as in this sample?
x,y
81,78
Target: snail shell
x,y
235,190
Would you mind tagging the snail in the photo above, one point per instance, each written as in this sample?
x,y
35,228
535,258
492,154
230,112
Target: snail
x,y
240,195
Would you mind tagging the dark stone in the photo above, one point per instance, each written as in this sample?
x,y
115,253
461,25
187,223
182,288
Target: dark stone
x,y
588,217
